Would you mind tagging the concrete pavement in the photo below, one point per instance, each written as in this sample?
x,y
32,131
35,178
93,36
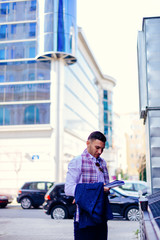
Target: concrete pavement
x,y
122,230
49,229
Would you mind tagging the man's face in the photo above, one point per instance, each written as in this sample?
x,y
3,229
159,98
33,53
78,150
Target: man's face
x,y
95,147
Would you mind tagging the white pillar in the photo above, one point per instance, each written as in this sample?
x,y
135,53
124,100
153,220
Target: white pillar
x,y
57,108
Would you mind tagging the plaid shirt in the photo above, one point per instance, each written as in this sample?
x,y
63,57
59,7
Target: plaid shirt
x,y
89,172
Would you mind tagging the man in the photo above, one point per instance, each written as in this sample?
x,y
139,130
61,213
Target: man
x,y
88,168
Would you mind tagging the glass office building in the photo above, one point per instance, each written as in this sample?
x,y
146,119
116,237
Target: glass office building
x,y
149,92
51,91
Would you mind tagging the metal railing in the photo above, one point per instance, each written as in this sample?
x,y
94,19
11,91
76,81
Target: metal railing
x,y
149,229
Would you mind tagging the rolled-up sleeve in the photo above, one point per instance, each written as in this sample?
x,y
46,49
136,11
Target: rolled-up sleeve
x,y
73,176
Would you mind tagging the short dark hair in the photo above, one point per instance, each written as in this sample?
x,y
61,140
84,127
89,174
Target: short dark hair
x,y
97,135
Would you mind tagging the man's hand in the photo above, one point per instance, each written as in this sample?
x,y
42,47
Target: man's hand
x,y
106,189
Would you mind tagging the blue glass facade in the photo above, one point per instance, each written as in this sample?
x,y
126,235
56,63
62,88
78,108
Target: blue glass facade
x,y
17,31
17,11
17,25
107,114
23,85
21,114
57,29
24,82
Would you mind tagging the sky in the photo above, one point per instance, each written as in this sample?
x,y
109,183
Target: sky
x,y
111,28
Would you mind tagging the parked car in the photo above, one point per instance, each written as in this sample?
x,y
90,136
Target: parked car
x,y
31,194
5,199
60,206
57,204
123,204
135,187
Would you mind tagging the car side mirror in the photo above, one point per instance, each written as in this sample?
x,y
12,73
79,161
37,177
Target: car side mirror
x,y
112,195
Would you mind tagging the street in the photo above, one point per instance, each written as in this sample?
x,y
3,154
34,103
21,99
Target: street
x,y
34,224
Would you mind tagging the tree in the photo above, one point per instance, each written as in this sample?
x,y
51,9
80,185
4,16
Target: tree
x,y
142,168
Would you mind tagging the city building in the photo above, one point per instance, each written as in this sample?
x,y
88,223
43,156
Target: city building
x,y
135,143
52,91
119,166
129,144
149,95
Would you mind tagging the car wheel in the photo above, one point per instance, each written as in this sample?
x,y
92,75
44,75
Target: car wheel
x,y
59,212
26,203
3,205
132,213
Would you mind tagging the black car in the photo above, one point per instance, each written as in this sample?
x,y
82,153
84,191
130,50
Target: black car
x,y
124,205
31,194
57,204
60,206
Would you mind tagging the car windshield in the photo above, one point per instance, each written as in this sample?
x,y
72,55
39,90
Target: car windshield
x,y
120,191
139,186
127,186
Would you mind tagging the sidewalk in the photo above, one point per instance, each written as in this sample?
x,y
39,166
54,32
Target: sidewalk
x,y
122,230
42,229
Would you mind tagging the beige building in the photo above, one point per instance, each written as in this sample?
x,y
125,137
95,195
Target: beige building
x,y
135,143
119,146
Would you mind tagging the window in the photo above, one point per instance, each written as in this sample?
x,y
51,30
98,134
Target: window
x,y
32,186
32,31
105,105
4,8
107,144
106,130
2,93
127,187
31,115
11,78
40,76
13,29
48,5
105,118
3,31
32,52
139,186
12,52
19,51
37,186
2,54
1,116
107,113
31,77
4,116
14,5
49,185
24,114
105,94
110,118
41,186
33,6
1,78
